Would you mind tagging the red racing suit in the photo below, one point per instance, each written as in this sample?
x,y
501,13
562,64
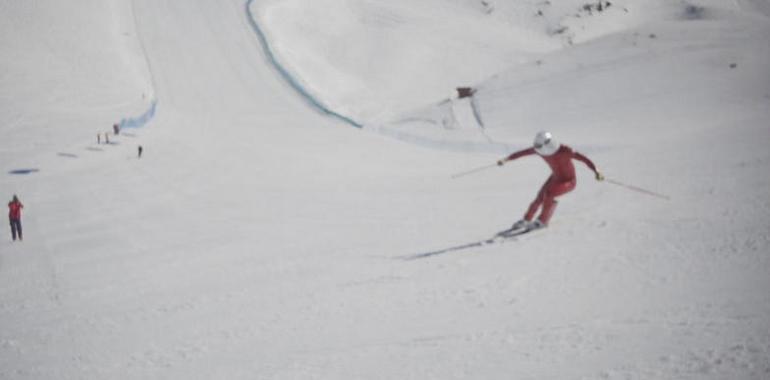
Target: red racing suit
x,y
561,181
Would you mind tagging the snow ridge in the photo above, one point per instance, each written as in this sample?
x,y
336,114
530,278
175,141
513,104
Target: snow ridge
x,y
288,77
141,120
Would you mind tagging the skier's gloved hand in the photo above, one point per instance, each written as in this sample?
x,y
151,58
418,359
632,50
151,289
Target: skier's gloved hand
x,y
500,162
599,176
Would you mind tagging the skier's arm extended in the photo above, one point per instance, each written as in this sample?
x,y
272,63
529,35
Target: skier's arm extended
x,y
589,163
515,155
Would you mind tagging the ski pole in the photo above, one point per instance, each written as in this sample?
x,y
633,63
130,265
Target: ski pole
x,y
476,170
637,189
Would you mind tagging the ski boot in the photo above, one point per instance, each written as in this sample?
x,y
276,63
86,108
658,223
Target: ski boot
x,y
521,224
536,225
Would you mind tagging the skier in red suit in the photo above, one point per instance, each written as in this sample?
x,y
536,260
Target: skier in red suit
x,y
561,181
14,215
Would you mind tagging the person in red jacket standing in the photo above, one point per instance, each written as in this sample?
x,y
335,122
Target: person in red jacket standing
x,y
561,181
14,214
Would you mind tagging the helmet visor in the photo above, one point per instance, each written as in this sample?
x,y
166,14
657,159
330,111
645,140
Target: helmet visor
x,y
540,145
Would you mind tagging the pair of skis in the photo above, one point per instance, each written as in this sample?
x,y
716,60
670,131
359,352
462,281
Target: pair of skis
x,y
500,237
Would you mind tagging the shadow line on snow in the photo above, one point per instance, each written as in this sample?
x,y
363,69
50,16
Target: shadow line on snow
x,y
284,73
141,120
23,171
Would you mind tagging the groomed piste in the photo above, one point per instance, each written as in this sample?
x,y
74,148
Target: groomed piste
x,y
259,236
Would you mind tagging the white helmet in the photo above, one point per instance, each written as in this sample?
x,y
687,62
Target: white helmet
x,y
544,144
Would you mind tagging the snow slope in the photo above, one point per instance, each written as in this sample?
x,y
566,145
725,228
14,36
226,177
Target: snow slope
x,y
374,59
258,238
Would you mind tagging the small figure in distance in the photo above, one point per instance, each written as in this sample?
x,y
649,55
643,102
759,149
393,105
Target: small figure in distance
x,y
14,215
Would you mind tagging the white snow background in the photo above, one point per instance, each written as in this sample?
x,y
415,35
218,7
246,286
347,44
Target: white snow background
x,y
260,238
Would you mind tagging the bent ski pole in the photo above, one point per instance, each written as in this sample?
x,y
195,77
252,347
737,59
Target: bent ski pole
x,y
476,170
637,189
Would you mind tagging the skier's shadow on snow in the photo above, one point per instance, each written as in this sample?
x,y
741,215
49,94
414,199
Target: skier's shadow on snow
x,y
461,247
508,234
68,155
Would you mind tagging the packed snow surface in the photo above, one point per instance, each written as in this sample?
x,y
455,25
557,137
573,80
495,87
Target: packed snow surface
x,y
258,238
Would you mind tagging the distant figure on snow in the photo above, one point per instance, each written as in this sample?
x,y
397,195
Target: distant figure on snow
x,y
14,215
139,152
561,181
106,138
98,138
116,129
